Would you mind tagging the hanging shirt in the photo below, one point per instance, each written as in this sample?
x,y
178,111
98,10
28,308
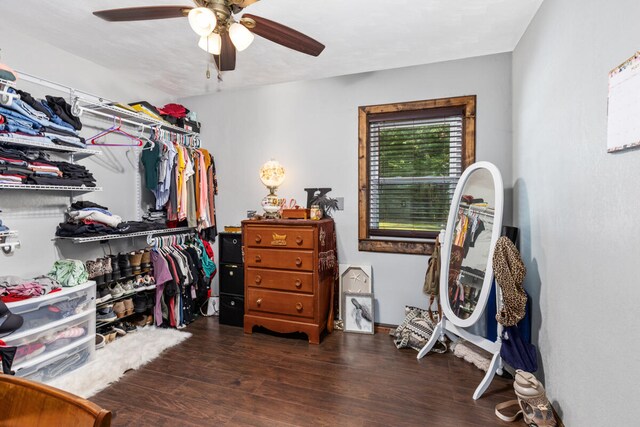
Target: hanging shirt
x,y
150,158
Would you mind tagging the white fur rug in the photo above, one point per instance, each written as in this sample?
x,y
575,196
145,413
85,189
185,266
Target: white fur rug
x,y
111,362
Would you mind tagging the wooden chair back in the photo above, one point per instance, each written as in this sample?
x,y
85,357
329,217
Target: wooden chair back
x,y
27,403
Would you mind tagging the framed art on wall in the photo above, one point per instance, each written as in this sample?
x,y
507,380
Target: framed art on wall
x,y
358,312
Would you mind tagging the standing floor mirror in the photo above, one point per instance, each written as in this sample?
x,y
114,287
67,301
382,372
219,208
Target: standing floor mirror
x,y
466,274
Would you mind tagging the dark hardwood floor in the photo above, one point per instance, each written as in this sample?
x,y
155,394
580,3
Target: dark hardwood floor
x,y
222,376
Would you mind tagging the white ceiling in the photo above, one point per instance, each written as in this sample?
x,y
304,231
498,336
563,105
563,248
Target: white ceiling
x,y
360,36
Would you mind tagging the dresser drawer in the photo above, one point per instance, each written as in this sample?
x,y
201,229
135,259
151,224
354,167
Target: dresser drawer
x,y
279,237
279,258
276,302
294,281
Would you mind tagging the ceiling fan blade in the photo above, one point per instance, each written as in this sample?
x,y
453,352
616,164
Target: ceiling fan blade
x,y
226,61
283,35
143,13
244,3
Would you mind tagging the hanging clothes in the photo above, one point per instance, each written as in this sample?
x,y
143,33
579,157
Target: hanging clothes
x,y
182,282
183,181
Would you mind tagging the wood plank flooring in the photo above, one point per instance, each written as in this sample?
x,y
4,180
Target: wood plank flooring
x,y
220,376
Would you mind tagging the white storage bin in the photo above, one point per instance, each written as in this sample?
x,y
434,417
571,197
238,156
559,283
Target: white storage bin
x,y
48,338
47,367
55,306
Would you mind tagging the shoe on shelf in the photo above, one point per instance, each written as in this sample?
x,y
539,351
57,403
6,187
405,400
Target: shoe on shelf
x,y
107,268
120,331
106,314
135,259
104,295
149,282
125,265
139,320
140,303
138,284
115,267
116,290
100,341
127,287
109,335
96,271
150,302
128,306
119,309
129,327
145,261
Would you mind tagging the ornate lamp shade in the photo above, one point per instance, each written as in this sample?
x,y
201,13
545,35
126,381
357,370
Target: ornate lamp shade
x,y
272,174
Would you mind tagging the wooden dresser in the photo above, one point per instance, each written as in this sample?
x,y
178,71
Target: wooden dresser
x,y
289,272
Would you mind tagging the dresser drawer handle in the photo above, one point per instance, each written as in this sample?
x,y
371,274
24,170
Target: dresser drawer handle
x,y
298,261
298,283
258,302
258,238
299,306
299,240
258,279
258,258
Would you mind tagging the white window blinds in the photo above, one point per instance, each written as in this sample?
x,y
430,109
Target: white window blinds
x,y
415,160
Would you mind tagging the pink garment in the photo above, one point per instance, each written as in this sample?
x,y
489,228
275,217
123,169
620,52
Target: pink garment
x,y
203,199
23,290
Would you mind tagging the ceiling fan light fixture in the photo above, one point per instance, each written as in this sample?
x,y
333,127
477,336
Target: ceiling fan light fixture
x,y
202,20
211,43
240,36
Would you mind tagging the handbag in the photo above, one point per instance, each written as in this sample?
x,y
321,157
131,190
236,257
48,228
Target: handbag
x,y
516,352
431,285
415,330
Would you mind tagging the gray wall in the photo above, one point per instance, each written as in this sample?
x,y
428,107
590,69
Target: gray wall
x,y
578,208
312,129
36,214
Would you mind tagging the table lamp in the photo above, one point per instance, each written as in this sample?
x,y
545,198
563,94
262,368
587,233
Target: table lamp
x,y
272,176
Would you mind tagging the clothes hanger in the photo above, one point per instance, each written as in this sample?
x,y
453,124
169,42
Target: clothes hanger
x,y
150,143
116,129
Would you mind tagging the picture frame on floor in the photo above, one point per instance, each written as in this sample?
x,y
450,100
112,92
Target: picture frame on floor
x,y
358,315
354,278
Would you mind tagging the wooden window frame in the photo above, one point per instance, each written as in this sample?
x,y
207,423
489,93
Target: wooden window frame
x,y
417,246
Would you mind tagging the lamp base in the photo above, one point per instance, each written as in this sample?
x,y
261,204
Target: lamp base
x,y
271,206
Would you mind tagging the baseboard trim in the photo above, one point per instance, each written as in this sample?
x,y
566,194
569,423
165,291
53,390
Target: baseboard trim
x,y
383,328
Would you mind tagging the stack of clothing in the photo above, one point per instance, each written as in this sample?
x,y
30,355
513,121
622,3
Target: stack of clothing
x,y
24,166
48,121
13,288
155,215
87,219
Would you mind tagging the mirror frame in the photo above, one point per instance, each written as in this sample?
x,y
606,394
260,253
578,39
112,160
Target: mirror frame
x,y
446,246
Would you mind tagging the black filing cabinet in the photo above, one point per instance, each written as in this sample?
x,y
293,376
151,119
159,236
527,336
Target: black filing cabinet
x,y
231,279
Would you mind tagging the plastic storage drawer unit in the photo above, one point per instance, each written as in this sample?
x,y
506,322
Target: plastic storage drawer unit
x,y
45,368
46,339
55,306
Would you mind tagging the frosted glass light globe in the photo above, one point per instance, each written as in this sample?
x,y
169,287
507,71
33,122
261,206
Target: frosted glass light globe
x,y
202,20
272,174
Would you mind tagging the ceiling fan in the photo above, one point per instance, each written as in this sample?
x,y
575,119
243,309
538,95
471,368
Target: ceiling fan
x,y
220,33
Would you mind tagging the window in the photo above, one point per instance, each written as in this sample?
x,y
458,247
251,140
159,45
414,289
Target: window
x,y
411,156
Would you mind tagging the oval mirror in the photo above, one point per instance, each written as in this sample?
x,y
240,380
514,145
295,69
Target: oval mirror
x,y
473,227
